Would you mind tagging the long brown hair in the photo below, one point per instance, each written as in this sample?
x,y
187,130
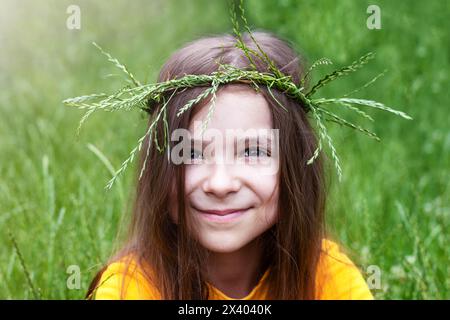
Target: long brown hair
x,y
292,245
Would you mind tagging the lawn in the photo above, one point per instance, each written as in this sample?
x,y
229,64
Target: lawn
x,y
391,210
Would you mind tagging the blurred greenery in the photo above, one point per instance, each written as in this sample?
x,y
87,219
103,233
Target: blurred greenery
x,y
391,209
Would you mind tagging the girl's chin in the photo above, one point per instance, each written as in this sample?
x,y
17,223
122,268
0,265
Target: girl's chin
x,y
221,249
223,244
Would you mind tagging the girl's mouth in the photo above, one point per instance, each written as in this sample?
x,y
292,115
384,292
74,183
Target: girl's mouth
x,y
222,215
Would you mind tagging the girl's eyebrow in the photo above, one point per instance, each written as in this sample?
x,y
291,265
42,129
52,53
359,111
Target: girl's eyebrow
x,y
261,138
202,142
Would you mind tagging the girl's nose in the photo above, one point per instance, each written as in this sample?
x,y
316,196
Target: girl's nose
x,y
221,181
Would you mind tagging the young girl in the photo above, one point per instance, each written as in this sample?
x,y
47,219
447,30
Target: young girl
x,y
229,231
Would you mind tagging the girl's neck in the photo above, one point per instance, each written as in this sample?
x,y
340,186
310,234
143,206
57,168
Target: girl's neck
x,y
237,273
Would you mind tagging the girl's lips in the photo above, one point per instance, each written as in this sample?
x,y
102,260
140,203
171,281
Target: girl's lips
x,y
223,216
222,212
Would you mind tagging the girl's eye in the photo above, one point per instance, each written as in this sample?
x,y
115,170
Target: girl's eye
x,y
196,155
256,152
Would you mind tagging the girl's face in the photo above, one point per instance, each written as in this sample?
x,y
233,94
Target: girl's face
x,y
216,187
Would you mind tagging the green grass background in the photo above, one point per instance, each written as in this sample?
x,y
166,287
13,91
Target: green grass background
x,y
391,209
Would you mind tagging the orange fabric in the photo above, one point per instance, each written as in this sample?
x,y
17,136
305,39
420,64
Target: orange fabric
x,y
337,278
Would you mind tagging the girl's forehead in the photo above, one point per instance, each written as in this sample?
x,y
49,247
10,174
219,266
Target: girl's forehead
x,y
233,108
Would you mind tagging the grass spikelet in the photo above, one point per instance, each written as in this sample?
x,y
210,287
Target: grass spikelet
x,y
75,102
151,127
366,84
341,72
367,103
215,87
36,292
347,123
357,110
320,62
316,153
236,30
118,65
196,100
325,137
263,55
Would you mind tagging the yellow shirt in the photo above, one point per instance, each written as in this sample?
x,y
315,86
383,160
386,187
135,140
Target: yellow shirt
x,y
337,278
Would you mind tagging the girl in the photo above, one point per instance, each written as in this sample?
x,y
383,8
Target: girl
x,y
228,231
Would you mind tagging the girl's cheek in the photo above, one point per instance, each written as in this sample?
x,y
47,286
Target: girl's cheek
x,y
267,175
257,176
194,174
264,185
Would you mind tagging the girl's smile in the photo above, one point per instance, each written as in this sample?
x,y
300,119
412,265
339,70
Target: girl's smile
x,y
223,215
